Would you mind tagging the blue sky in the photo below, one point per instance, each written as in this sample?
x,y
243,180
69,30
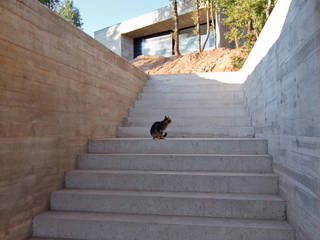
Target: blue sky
x,y
98,14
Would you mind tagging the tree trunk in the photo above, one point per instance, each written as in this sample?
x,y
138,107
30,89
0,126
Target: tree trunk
x,y
268,10
236,40
198,24
250,26
196,21
256,33
208,26
212,11
176,28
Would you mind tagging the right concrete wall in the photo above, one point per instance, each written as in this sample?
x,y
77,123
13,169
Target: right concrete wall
x,y
283,97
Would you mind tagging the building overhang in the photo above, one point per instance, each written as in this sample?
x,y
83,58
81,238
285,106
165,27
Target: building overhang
x,y
185,20
160,20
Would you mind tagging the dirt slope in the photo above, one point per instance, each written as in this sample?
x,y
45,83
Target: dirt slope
x,y
215,60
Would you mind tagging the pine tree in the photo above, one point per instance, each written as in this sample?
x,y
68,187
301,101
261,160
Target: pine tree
x,y
51,4
70,13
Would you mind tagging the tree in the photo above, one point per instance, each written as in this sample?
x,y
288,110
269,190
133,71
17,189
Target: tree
x,y
65,9
196,20
70,13
245,19
213,8
207,6
268,10
176,28
51,4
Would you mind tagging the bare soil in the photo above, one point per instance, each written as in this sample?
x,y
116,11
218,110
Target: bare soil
x,y
214,60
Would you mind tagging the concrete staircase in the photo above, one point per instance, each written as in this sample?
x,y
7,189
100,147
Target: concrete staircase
x,y
210,179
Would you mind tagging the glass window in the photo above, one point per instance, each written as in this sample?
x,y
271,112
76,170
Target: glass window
x,y
188,40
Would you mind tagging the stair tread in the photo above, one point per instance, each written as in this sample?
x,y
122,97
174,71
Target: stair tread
x,y
176,154
156,219
180,139
193,195
195,173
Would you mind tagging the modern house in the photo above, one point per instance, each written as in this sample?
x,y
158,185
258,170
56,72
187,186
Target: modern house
x,y
151,33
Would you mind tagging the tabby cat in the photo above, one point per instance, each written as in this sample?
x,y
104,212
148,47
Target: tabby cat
x,y
157,129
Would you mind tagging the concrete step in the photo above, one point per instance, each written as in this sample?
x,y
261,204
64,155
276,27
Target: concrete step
x,y
204,96
182,112
195,82
149,104
94,226
217,77
169,88
195,131
249,206
191,121
177,162
173,181
179,145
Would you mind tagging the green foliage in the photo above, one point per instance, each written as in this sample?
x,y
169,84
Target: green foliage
x,y
51,4
65,9
245,19
70,13
238,61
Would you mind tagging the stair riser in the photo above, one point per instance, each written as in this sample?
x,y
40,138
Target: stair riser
x,y
183,82
179,113
188,132
217,77
165,88
202,207
77,229
200,96
179,146
176,163
192,122
171,182
186,104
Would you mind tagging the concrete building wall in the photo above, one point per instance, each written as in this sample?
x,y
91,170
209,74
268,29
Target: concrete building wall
x,y
119,38
110,37
58,87
283,97
127,47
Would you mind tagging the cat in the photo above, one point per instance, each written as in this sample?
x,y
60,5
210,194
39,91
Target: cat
x,y
157,128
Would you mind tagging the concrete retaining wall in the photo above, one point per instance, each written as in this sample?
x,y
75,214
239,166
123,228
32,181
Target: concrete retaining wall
x,y
58,87
283,97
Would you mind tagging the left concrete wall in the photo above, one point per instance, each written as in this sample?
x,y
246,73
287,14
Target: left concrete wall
x,y
58,88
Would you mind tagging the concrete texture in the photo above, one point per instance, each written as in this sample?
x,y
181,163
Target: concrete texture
x,y
177,181
179,145
270,207
192,121
159,113
198,188
175,162
114,226
216,77
191,87
283,96
58,87
196,131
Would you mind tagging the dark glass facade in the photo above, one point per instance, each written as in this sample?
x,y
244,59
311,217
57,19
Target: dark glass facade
x,y
162,44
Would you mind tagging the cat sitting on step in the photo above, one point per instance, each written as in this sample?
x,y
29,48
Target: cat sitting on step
x,y
158,128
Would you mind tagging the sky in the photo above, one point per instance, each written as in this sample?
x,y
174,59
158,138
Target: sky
x,y
98,14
